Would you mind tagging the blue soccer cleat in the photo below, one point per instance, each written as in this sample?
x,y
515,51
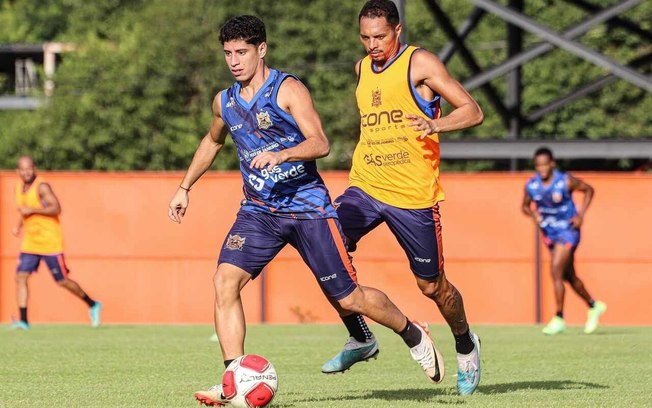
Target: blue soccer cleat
x,y
468,369
95,313
19,325
353,352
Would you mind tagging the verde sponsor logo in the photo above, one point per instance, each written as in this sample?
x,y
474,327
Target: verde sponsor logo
x,y
389,159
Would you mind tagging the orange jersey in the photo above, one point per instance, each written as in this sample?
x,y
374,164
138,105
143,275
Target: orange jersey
x,y
42,234
390,163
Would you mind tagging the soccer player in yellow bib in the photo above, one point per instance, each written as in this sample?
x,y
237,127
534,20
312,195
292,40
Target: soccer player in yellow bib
x,y
395,174
42,240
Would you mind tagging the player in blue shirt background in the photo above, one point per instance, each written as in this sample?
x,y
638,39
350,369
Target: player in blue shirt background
x,y
555,213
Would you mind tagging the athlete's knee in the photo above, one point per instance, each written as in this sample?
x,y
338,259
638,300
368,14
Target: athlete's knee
x,y
435,288
569,276
21,277
352,303
227,284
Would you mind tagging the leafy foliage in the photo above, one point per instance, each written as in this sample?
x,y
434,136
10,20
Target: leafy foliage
x,y
136,93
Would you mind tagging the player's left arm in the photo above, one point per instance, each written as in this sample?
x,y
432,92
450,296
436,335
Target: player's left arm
x,y
576,184
428,69
50,202
294,98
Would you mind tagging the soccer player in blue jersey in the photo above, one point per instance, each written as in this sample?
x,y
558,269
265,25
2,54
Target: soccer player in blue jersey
x,y
559,220
278,135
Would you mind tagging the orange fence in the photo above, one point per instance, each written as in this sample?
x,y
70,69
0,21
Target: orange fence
x,y
124,251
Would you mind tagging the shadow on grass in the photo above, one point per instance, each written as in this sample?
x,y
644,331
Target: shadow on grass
x,y
538,385
431,396
447,396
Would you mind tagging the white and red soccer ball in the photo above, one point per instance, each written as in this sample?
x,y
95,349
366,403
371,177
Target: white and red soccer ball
x,y
250,381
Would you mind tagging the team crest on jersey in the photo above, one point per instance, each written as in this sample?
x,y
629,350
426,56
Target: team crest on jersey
x,y
264,121
556,197
235,242
375,98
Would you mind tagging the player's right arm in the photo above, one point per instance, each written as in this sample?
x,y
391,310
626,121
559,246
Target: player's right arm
x,y
204,156
527,209
576,184
19,226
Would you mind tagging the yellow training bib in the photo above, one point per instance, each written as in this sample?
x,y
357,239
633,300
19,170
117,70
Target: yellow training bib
x,y
390,163
42,234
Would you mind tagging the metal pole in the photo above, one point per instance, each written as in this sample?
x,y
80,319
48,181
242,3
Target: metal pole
x,y
528,24
514,88
537,275
400,5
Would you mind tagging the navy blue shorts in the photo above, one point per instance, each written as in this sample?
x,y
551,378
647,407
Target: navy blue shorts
x,y
417,231
569,237
56,263
256,238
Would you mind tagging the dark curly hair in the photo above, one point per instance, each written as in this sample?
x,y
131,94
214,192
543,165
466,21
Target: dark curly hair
x,y
250,29
544,151
381,8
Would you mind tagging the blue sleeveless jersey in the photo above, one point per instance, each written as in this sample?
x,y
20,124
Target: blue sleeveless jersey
x,y
554,202
291,189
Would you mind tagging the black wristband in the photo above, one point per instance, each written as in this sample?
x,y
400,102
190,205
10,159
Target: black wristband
x,y
183,188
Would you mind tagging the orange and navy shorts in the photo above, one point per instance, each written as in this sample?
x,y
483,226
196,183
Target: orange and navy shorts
x,y
55,262
418,231
256,238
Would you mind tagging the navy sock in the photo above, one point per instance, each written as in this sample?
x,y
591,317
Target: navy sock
x,y
227,362
560,314
411,335
90,302
23,314
464,343
357,327
591,303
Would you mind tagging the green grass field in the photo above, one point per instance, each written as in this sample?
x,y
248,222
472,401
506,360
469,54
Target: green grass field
x,y
161,366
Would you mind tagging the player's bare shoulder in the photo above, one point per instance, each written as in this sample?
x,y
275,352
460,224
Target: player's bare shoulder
x,y
357,67
292,92
217,104
424,63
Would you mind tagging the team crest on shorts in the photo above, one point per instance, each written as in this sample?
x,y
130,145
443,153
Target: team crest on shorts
x,y
375,98
264,121
235,242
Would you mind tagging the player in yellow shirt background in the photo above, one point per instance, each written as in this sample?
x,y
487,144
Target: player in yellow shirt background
x,y
395,175
42,240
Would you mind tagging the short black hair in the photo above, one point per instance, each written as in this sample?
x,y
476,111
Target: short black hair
x,y
248,28
544,151
381,8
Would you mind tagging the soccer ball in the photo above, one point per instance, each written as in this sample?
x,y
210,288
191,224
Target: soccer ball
x,y
250,381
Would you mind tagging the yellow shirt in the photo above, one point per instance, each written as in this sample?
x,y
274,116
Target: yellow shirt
x,y
42,234
390,163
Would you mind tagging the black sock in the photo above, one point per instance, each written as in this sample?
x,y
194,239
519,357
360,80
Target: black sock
x,y
90,302
357,327
227,362
464,343
411,335
23,314
591,303
560,314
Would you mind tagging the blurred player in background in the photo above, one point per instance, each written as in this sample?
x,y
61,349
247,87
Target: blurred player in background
x,y
278,135
395,174
42,240
552,192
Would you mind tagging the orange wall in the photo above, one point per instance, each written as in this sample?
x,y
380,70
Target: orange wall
x,y
123,250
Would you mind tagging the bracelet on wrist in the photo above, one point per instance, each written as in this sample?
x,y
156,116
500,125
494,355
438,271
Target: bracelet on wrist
x,y
183,188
